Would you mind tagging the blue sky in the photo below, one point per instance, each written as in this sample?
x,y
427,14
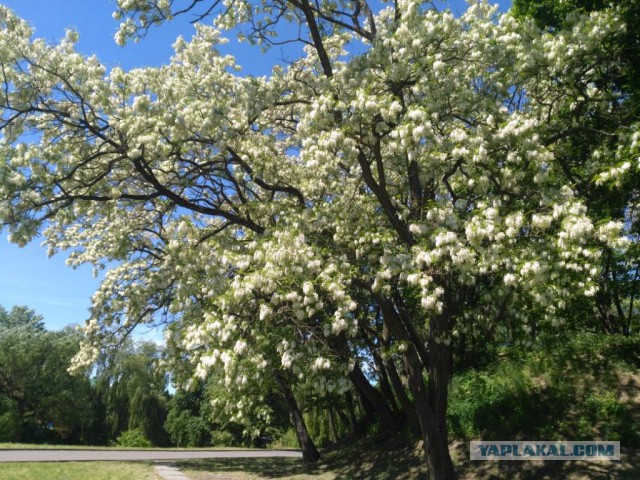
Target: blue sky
x,y
27,277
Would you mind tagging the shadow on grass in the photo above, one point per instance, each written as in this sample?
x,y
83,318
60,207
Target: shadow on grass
x,y
378,458
264,467
381,459
628,468
583,388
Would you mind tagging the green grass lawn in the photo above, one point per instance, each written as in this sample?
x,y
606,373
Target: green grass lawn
x,y
33,446
382,459
78,471
372,459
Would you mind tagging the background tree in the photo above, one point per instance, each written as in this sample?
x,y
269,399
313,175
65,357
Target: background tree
x,y
39,399
188,423
131,393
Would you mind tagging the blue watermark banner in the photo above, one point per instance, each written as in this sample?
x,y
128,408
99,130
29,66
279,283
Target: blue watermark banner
x,y
544,450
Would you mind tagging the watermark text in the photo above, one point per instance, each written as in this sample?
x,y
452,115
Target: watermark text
x,y
544,450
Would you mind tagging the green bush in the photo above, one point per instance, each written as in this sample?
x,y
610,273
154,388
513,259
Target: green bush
x,y
288,439
611,417
133,439
585,352
564,388
187,430
10,426
491,404
222,438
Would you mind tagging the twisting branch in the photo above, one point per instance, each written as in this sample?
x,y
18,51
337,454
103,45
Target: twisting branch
x,y
262,184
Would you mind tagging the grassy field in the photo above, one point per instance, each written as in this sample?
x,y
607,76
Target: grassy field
x,y
380,459
32,446
375,459
78,471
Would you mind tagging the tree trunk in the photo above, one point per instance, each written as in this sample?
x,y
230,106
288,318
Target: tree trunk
x,y
408,408
430,404
432,423
375,399
368,412
367,391
381,370
385,386
309,452
332,426
345,420
440,369
353,418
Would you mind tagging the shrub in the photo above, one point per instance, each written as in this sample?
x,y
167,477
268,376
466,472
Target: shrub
x,y
288,439
10,426
567,387
133,438
222,438
186,430
491,404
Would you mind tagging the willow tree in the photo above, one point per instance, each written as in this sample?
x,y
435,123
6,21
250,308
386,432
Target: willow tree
x,y
402,171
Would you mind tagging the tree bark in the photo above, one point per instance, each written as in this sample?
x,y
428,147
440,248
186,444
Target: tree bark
x,y
309,452
375,398
368,392
440,367
430,403
381,370
408,408
432,422
345,420
353,418
332,426
385,385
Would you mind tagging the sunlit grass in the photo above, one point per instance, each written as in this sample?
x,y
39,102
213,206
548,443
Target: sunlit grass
x,y
78,471
33,446
377,458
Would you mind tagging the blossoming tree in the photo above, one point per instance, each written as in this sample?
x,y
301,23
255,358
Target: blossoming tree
x,y
594,134
349,206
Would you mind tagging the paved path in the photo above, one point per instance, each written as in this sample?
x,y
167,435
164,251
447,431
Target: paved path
x,y
169,472
55,455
